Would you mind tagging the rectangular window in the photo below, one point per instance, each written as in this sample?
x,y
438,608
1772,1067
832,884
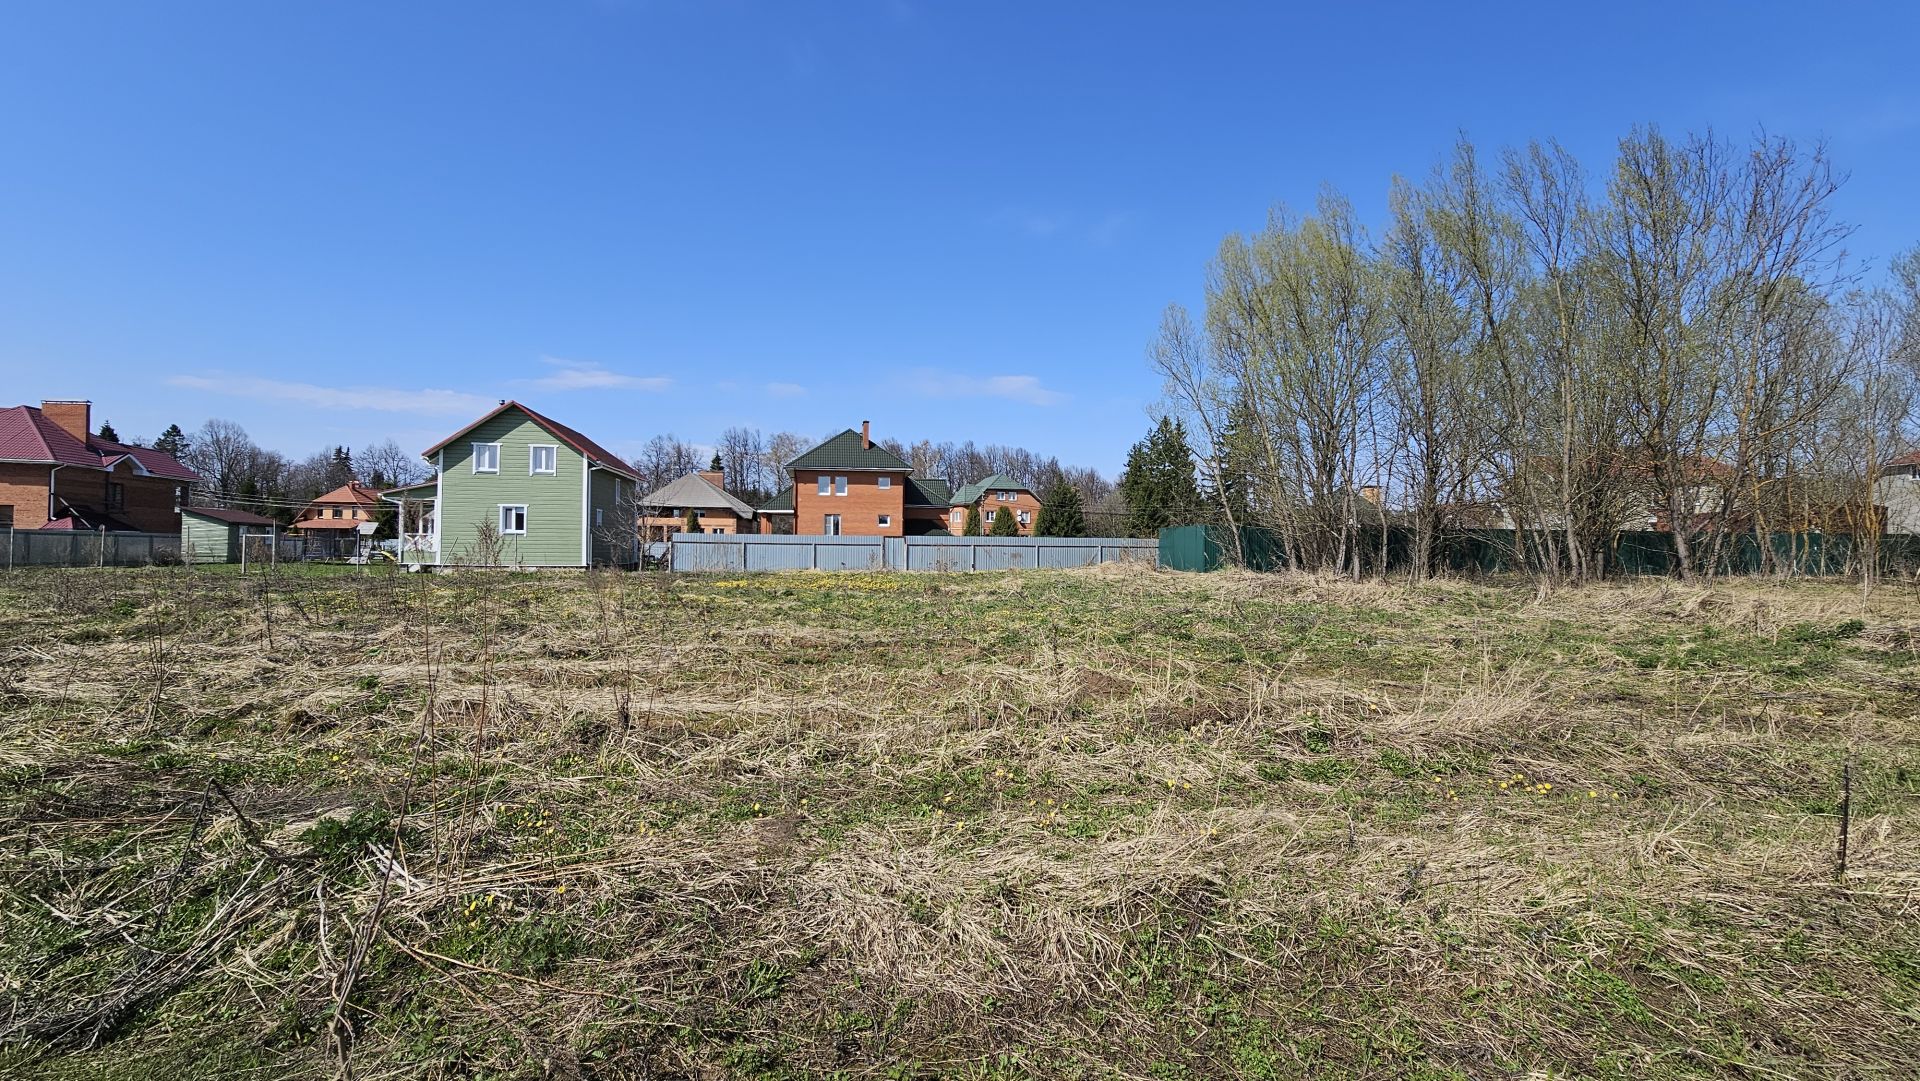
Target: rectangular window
x,y
956,516
513,518
826,485
883,483
116,496
1025,517
839,486
831,525
596,516
486,457
990,515
335,512
542,460
886,520
6,516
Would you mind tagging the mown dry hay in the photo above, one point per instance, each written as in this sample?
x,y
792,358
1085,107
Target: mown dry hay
x,y
1111,823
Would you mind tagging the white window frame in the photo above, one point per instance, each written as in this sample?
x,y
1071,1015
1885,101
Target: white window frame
x,y
553,449
883,481
839,486
826,485
990,515
475,458
502,519
830,525
886,521
596,517
1026,517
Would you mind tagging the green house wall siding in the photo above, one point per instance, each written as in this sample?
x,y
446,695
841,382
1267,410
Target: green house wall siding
x,y
614,513
555,504
208,540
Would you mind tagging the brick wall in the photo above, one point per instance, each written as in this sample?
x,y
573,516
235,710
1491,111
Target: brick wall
x,y
859,510
24,488
149,501
1022,501
711,521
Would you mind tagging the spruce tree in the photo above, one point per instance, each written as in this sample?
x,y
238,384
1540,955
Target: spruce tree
x,y
1159,485
691,524
1004,524
1062,515
172,442
973,522
107,433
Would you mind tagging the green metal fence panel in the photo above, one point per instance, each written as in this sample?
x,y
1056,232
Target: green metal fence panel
x,y
1631,553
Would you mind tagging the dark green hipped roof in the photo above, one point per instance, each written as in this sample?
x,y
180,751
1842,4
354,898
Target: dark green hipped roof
x,y
782,503
999,482
844,451
928,492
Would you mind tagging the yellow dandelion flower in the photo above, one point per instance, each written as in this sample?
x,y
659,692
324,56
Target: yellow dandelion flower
x,y
1545,787
559,889
1591,794
1504,784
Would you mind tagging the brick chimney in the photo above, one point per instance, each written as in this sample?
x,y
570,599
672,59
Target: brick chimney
x,y
866,436
1370,493
75,417
715,474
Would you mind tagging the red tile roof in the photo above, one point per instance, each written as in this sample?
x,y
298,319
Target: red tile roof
x,y
1909,458
26,435
594,451
351,493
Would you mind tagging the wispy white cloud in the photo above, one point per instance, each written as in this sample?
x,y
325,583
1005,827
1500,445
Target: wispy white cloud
x,y
587,375
386,399
786,390
932,383
1053,225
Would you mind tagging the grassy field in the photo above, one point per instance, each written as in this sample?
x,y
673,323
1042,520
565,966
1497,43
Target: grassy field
x,y
1101,824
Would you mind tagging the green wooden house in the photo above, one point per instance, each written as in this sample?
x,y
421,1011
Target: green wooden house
x,y
517,489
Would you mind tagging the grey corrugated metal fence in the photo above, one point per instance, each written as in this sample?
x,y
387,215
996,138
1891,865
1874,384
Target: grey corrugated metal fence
x,y
752,552
80,548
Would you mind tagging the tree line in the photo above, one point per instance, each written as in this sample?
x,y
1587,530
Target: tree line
x,y
1679,344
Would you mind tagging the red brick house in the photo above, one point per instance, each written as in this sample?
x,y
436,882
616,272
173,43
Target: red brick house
x,y
56,474
663,512
997,495
851,486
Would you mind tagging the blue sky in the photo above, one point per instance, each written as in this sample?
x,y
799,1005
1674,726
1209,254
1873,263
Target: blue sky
x,y
335,223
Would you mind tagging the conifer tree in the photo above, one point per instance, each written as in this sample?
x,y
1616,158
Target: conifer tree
x,y
1004,524
172,442
1062,515
691,524
1159,485
973,522
107,433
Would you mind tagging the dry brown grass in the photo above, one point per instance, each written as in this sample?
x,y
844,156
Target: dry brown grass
x,y
1108,824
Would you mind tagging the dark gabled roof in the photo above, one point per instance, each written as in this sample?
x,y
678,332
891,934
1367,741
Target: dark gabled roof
x,y
928,492
999,482
594,452
844,451
694,490
919,527
26,435
780,504
229,515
